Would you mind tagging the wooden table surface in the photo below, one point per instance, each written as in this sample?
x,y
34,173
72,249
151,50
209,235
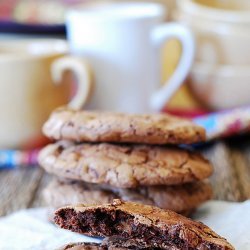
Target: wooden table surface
x,y
22,188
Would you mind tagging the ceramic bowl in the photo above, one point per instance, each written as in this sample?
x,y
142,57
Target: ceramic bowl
x,y
221,87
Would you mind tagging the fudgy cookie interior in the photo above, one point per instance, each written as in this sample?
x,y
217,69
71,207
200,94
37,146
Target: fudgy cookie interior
x,y
109,223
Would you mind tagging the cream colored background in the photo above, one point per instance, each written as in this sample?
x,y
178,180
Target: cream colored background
x,y
27,96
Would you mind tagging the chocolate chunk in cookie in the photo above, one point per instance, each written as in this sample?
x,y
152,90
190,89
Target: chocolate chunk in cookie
x,y
85,126
145,226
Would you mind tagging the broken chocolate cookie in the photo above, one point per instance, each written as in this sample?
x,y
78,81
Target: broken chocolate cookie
x,y
141,225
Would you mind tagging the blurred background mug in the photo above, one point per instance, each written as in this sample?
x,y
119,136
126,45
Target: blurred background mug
x,y
122,43
29,70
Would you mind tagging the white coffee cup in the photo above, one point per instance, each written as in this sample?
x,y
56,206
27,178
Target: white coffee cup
x,y
122,43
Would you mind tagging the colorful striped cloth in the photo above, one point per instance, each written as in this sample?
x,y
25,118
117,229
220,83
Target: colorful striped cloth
x,y
225,123
14,158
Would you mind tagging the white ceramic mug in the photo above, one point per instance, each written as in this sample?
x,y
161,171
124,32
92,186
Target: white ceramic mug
x,y
122,43
30,71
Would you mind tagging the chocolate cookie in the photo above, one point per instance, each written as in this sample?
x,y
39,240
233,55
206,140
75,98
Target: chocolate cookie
x,y
181,199
85,126
61,193
124,166
142,225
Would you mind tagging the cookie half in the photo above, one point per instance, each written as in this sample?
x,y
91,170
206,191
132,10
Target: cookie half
x,y
85,126
143,225
124,166
182,199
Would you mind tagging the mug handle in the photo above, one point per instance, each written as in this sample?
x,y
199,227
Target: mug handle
x,y
160,35
83,75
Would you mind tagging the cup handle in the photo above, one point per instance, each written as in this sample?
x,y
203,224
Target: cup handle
x,y
82,72
160,35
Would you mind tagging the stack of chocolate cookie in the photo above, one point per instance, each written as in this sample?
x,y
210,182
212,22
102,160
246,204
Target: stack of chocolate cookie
x,y
100,156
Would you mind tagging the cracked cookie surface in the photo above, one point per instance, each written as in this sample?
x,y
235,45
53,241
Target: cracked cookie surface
x,y
124,166
181,199
143,225
86,126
